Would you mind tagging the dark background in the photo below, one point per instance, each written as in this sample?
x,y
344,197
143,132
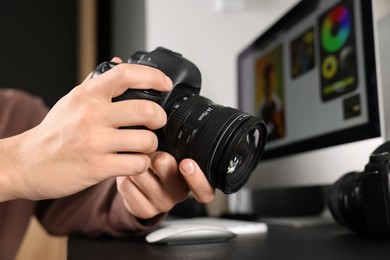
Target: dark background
x,y
38,47
39,42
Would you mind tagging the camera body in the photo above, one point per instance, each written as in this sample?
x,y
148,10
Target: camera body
x,y
360,201
185,76
226,143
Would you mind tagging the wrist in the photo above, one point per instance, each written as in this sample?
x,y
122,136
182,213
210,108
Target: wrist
x,y
6,185
10,169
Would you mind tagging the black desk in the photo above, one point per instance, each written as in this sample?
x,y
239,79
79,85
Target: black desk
x,y
320,242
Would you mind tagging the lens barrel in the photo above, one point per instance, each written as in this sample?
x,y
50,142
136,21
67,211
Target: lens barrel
x,y
346,204
226,143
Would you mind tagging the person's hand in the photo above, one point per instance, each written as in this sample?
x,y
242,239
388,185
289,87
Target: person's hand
x,y
163,185
77,144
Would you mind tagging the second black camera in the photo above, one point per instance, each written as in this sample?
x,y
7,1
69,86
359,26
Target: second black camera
x,y
360,201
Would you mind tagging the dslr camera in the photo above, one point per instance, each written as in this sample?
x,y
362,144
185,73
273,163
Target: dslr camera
x,y
226,143
360,201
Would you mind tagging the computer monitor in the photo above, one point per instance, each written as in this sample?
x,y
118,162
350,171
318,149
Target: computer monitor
x,y
313,78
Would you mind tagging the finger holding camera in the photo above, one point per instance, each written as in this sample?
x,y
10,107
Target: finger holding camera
x,y
197,181
163,185
76,144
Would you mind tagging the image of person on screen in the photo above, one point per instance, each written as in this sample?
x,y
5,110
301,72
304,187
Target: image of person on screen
x,y
271,108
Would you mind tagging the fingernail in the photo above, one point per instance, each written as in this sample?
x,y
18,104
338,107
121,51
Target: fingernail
x,y
188,168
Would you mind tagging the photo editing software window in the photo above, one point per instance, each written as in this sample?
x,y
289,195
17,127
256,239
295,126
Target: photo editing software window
x,y
308,79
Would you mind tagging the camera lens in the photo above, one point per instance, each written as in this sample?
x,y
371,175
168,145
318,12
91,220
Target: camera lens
x,y
226,143
346,202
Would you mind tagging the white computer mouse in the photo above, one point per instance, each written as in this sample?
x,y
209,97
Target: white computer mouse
x,y
189,234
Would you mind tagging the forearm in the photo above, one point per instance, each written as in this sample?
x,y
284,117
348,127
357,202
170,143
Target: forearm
x,y
8,170
19,112
5,183
21,173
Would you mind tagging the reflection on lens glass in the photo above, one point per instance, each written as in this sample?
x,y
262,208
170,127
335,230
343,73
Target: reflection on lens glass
x,y
234,163
245,151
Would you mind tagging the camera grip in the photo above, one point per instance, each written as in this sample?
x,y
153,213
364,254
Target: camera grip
x,y
151,95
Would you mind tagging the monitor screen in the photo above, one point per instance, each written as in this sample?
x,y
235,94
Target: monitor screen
x,y
312,78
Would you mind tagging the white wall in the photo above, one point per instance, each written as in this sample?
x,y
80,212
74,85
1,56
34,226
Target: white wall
x,y
381,9
210,38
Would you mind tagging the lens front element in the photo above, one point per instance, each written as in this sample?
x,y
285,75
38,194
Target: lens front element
x,y
246,149
241,153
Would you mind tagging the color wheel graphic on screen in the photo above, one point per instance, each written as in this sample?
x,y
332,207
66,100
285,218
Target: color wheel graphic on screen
x,y
338,68
336,29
